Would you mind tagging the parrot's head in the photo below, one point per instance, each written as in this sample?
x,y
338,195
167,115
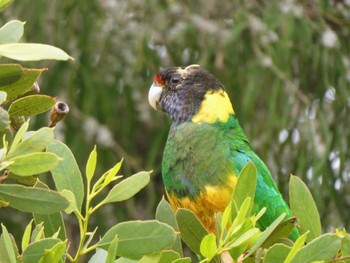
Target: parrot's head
x,y
190,94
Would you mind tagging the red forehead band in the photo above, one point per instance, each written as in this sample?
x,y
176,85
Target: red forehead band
x,y
158,78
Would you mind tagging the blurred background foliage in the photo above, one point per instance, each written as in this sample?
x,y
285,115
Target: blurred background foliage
x,y
285,64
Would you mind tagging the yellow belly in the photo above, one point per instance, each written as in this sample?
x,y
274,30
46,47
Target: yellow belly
x,y
211,201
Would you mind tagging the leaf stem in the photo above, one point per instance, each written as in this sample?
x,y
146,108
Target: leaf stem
x,y
83,225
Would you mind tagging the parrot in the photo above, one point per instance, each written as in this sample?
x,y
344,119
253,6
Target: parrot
x,y
206,148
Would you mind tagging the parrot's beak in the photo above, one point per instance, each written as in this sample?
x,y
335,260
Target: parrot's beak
x,y
154,95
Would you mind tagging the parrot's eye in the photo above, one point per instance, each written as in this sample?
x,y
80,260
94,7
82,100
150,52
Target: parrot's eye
x,y
175,80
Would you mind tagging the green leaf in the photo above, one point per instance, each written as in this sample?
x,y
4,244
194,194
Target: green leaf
x,y
26,235
37,233
66,174
4,4
15,80
191,229
8,251
208,246
91,164
3,96
72,203
52,222
99,256
5,164
18,137
151,258
112,250
3,203
265,235
226,217
36,250
276,254
4,119
322,248
138,238
31,105
169,256
11,32
110,175
242,212
54,254
182,260
245,187
282,231
124,260
36,142
304,208
32,52
244,237
345,245
127,188
165,214
297,245
33,163
33,200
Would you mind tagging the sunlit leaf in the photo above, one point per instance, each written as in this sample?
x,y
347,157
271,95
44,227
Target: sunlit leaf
x,y
4,4
32,52
18,137
295,248
36,142
111,174
5,164
3,96
4,119
208,246
127,188
226,216
11,32
3,203
33,163
38,233
8,251
26,235
91,164
244,237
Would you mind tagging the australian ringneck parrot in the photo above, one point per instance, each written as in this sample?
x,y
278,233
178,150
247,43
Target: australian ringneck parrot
x,y
207,148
